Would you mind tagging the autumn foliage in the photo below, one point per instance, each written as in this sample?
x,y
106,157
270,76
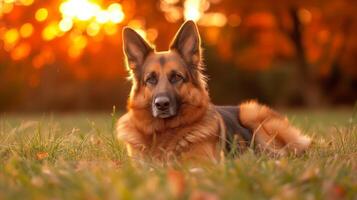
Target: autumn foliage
x,y
66,54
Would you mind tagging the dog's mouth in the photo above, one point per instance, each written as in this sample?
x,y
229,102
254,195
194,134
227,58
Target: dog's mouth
x,y
163,114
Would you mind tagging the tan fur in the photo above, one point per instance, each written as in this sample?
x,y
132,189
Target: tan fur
x,y
196,140
272,132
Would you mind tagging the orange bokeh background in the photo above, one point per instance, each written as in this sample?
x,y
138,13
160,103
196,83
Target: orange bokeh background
x,y
67,54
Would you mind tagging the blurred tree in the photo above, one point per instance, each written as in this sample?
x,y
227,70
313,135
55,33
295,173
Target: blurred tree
x,y
312,35
66,54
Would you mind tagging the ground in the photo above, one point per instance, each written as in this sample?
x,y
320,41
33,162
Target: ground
x,y
76,156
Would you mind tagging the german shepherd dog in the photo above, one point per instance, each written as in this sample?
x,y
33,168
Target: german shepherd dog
x,y
170,115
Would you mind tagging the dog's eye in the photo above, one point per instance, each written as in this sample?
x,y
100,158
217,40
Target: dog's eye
x,y
151,80
176,78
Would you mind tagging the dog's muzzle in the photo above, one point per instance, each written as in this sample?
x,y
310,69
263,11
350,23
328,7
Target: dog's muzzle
x,y
164,106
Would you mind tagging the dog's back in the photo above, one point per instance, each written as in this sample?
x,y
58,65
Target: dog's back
x,y
269,131
234,130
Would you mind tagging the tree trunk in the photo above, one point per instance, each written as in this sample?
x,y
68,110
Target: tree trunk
x,y
309,85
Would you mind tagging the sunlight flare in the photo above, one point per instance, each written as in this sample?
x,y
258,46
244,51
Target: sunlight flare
x,y
26,30
41,14
86,10
193,9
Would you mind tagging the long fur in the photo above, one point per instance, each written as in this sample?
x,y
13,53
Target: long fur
x,y
199,129
271,131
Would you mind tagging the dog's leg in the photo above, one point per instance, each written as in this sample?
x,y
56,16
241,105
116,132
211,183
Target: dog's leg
x,y
133,140
271,131
203,152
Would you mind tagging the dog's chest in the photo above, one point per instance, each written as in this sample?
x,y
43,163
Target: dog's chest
x,y
176,142
169,143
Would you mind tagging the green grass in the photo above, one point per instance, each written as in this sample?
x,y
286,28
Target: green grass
x,y
76,156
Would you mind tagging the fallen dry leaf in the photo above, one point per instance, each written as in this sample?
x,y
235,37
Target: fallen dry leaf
x,y
333,190
201,195
309,174
176,182
41,155
95,140
287,191
37,181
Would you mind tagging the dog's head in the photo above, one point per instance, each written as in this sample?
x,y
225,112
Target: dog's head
x,y
166,83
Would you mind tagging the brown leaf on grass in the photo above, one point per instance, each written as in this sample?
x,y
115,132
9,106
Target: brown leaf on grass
x,y
52,177
95,140
46,170
309,174
201,195
333,190
282,163
287,191
337,192
37,181
117,163
176,182
197,170
41,155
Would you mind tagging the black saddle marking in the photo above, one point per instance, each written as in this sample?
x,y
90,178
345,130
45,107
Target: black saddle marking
x,y
230,116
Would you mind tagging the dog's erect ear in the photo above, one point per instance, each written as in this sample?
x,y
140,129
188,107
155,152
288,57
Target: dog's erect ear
x,y
187,42
135,48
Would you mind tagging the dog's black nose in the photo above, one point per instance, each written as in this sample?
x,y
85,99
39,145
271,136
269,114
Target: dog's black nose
x,y
162,103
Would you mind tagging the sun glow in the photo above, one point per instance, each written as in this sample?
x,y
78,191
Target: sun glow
x,y
197,10
65,24
87,10
11,36
80,22
193,9
26,30
79,9
87,17
41,14
50,32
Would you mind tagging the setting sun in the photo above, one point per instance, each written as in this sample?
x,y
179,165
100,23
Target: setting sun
x,y
86,10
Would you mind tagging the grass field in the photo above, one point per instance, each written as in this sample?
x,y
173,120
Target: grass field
x,y
76,156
